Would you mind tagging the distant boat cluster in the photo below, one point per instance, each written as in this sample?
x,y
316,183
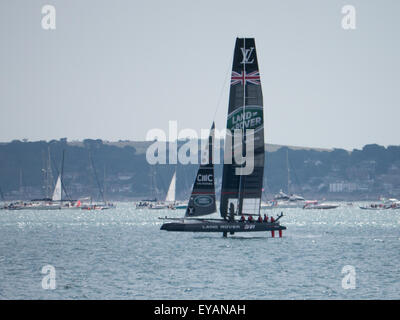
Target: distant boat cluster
x,y
56,202
48,204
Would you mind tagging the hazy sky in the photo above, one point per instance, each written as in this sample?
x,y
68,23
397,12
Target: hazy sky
x,y
115,69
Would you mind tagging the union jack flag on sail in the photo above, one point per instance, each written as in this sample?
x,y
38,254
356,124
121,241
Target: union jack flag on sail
x,y
244,77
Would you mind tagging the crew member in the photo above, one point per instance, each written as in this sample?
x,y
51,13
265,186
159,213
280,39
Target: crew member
x,y
265,218
242,218
259,218
250,219
272,219
231,212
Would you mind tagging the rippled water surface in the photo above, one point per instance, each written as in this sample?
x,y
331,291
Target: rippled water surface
x,y
122,254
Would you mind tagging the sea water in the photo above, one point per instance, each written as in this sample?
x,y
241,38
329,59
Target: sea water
x,y
122,254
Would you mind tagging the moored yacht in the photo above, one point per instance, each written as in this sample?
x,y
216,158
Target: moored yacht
x,y
284,201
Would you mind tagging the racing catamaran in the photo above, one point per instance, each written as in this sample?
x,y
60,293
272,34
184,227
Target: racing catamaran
x,y
240,192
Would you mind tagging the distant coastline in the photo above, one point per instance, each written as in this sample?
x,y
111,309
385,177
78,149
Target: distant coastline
x,y
316,173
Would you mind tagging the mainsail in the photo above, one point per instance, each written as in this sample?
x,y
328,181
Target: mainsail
x,y
57,190
245,112
202,199
171,191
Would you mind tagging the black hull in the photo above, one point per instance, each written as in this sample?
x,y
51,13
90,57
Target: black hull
x,y
223,226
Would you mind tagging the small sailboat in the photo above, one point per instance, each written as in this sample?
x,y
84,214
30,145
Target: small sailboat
x,y
169,202
53,203
40,204
240,193
102,205
151,203
60,190
171,194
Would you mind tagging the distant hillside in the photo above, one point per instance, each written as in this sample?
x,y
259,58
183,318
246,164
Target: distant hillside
x,y
141,146
122,170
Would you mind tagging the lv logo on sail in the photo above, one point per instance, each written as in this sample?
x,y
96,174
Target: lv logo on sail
x,y
246,55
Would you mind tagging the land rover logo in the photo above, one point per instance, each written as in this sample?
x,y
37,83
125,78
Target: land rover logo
x,y
253,118
203,201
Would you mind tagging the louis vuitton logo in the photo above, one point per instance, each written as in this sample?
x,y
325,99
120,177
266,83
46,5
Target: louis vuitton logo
x,y
246,55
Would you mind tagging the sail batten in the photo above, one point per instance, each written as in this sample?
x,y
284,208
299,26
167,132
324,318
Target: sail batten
x,y
245,112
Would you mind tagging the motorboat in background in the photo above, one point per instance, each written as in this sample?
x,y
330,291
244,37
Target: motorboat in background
x,y
42,204
314,204
394,203
284,201
391,203
97,206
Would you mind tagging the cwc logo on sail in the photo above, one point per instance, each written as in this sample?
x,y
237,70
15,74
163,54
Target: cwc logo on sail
x,y
203,201
251,119
205,178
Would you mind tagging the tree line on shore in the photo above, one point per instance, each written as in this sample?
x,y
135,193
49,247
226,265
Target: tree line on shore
x,y
123,171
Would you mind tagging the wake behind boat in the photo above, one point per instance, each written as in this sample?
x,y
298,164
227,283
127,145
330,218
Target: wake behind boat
x,y
240,193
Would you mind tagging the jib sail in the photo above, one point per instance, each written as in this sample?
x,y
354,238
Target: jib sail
x,y
202,199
